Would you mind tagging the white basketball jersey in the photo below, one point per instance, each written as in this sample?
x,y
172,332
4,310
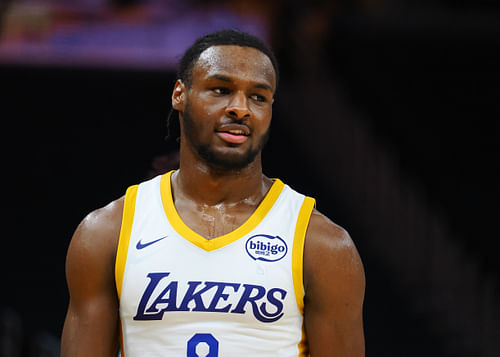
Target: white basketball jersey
x,y
240,294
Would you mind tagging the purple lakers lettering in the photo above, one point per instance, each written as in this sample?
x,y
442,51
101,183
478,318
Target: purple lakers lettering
x,y
209,296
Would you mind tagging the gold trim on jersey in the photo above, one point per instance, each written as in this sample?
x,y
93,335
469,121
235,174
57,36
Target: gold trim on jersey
x,y
298,262
218,242
298,250
125,232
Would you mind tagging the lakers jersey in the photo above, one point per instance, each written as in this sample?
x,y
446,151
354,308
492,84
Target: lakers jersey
x,y
240,294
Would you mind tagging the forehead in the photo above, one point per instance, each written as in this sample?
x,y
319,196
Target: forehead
x,y
246,63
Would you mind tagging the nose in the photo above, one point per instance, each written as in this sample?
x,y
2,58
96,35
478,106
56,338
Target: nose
x,y
238,106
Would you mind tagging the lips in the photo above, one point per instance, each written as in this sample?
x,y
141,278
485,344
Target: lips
x,y
232,138
233,133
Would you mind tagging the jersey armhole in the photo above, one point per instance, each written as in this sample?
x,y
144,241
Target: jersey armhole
x,y
124,239
298,250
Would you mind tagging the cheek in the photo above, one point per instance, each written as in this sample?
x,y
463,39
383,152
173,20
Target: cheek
x,y
263,116
210,112
204,111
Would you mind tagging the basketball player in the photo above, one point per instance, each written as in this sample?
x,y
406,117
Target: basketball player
x,y
215,259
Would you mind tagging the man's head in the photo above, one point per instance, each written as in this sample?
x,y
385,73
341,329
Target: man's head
x,y
224,98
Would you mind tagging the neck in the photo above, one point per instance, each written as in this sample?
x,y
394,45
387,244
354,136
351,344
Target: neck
x,y
203,184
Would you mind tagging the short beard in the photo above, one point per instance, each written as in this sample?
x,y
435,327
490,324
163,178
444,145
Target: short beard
x,y
217,160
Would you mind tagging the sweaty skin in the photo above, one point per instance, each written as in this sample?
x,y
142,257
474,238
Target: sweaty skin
x,y
231,92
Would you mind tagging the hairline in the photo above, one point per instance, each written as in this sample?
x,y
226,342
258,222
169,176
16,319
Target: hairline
x,y
188,73
197,60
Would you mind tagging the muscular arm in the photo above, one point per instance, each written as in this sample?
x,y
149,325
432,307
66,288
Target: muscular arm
x,y
91,325
334,283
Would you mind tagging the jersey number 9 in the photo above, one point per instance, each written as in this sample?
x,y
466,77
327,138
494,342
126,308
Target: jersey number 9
x,y
197,346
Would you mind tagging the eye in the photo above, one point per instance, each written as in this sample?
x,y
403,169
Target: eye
x,y
258,98
220,90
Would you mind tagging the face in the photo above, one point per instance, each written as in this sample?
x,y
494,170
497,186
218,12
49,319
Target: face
x,y
226,113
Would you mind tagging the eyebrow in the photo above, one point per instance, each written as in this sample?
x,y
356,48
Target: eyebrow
x,y
229,80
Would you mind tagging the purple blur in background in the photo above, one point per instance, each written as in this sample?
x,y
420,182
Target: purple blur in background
x,y
93,33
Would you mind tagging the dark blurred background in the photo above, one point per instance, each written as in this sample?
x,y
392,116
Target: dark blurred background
x,y
387,112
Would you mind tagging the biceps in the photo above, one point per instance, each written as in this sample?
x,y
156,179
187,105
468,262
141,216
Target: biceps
x,y
91,323
329,335
91,329
334,317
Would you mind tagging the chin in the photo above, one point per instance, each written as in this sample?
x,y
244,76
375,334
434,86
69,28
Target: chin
x,y
227,161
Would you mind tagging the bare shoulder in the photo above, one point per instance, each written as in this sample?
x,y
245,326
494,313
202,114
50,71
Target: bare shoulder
x,y
330,251
326,237
103,221
324,232
102,226
96,238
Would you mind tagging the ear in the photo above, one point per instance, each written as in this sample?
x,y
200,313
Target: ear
x,y
179,96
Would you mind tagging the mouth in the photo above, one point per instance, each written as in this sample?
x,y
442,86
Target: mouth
x,y
233,134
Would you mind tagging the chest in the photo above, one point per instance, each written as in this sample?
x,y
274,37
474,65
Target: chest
x,y
214,221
